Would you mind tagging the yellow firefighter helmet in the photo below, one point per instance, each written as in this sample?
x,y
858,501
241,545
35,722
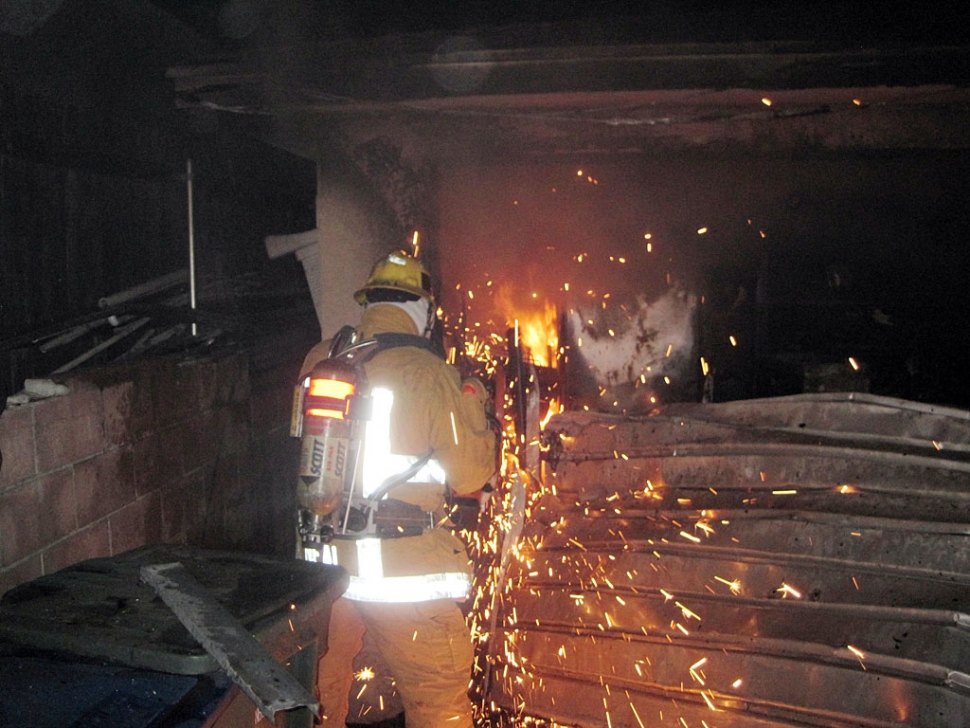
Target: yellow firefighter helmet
x,y
397,272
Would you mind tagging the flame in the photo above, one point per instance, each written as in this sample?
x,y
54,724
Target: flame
x,y
539,333
555,407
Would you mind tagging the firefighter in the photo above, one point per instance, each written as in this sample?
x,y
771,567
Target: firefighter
x,y
405,590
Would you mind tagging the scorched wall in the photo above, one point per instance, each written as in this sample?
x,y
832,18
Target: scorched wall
x,y
192,452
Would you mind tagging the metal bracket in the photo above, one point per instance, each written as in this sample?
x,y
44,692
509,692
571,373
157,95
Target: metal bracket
x,y
246,661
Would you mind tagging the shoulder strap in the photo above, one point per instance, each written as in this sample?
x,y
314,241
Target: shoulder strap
x,y
392,340
340,341
361,352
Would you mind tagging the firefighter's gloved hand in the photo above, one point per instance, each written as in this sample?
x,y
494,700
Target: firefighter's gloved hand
x,y
473,387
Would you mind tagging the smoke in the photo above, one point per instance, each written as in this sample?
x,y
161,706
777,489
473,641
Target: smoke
x,y
630,357
23,17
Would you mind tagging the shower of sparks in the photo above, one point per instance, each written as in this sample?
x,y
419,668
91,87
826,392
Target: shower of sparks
x,y
705,526
859,654
710,703
516,568
734,586
688,614
364,674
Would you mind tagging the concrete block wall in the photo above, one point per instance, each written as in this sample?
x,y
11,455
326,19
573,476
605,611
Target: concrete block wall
x,y
192,452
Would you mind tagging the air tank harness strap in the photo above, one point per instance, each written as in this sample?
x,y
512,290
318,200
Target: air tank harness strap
x,y
387,517
400,478
392,340
394,518
344,345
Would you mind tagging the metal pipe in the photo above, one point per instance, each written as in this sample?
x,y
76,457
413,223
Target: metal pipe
x,y
68,336
192,300
790,450
851,522
145,289
122,333
548,595
875,399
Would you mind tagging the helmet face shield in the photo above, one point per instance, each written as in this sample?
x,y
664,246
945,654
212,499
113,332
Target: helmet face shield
x,y
397,272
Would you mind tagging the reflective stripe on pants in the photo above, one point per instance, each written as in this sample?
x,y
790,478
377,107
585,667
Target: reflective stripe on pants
x,y
371,585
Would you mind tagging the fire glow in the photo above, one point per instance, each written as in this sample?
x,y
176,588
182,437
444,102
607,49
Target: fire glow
x,y
516,572
539,333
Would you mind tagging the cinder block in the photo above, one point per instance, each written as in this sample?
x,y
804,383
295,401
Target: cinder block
x,y
232,380
224,482
17,445
144,464
160,385
169,455
174,393
239,518
136,524
183,506
103,484
207,376
270,410
116,400
20,522
58,505
88,543
186,381
68,429
142,407
237,433
201,439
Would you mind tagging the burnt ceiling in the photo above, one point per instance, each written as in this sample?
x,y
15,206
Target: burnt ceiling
x,y
525,80
607,86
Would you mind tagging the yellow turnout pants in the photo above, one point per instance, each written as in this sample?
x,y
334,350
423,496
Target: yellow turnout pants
x,y
426,646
